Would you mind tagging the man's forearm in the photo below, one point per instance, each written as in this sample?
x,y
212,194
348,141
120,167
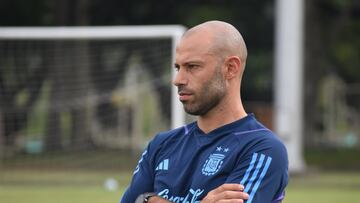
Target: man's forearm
x,y
158,199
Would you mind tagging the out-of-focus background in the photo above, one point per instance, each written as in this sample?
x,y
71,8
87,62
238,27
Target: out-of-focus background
x,y
76,113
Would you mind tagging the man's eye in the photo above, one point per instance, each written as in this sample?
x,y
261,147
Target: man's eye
x,y
177,68
191,66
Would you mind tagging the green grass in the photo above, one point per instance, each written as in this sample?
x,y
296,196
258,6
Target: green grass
x,y
328,187
56,194
62,186
29,186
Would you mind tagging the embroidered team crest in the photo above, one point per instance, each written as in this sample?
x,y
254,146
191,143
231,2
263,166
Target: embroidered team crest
x,y
212,164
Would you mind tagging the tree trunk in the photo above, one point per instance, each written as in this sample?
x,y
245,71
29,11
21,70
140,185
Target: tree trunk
x,y
53,139
82,114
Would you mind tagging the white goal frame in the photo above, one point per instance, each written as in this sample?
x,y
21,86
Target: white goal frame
x,y
174,32
288,72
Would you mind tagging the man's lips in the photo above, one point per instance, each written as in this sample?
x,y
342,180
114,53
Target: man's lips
x,y
184,95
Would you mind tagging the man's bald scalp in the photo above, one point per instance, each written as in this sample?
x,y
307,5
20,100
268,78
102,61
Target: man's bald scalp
x,y
227,40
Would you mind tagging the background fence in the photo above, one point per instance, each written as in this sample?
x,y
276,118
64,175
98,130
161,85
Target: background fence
x,y
80,95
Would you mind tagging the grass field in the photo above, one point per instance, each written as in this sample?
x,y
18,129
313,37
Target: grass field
x,y
78,186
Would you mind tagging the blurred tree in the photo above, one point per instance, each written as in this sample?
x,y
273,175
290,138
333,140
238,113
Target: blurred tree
x,y
332,47
76,70
20,85
24,13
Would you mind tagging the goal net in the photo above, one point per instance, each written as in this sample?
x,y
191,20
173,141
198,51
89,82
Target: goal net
x,y
83,87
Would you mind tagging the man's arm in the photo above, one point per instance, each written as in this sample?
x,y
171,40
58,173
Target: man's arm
x,y
158,199
142,180
224,193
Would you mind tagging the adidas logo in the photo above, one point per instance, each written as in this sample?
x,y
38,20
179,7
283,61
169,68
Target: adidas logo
x,y
164,165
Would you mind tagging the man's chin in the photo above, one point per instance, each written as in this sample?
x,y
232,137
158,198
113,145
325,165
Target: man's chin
x,y
191,111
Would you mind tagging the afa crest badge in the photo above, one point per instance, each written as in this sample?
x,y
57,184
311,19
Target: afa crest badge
x,y
212,164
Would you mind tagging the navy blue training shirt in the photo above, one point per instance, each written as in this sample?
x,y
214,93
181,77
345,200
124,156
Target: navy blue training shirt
x,y
184,164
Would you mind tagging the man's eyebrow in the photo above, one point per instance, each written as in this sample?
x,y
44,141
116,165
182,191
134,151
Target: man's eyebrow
x,y
192,62
177,65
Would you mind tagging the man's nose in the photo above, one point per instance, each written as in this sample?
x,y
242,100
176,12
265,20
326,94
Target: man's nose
x,y
180,78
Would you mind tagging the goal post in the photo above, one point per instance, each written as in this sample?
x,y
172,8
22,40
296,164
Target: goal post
x,y
289,79
107,33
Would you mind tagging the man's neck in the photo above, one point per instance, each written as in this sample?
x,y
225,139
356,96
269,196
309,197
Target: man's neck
x,y
221,116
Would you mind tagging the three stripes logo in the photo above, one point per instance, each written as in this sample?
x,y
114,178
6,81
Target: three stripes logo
x,y
256,172
164,165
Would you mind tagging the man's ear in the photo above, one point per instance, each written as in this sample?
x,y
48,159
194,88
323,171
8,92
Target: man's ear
x,y
233,67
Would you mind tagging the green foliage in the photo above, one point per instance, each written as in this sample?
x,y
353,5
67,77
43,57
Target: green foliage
x,y
258,82
38,116
203,13
20,13
333,159
347,51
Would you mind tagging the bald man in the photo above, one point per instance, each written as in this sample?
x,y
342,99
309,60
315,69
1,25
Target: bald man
x,y
226,155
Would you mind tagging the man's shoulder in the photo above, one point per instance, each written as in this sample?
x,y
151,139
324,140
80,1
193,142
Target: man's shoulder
x,y
172,135
254,129
257,137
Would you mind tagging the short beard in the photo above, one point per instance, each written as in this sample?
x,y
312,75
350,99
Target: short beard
x,y
210,95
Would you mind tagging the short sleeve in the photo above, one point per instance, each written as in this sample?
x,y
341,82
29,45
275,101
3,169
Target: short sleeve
x,y
263,170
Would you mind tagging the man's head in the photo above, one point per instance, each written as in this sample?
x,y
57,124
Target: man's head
x,y
210,60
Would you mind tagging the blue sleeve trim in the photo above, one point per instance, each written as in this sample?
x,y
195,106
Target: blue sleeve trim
x,y
247,174
255,174
261,167
268,161
251,131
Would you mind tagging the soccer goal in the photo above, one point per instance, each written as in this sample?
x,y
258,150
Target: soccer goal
x,y
72,87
